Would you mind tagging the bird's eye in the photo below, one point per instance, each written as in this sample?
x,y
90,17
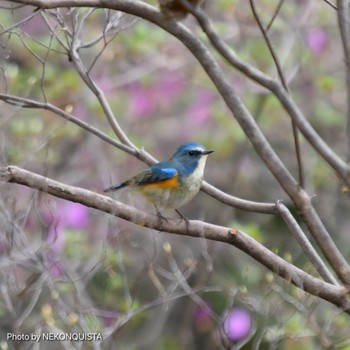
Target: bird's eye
x,y
193,153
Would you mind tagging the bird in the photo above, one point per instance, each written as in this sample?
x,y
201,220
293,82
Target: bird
x,y
173,183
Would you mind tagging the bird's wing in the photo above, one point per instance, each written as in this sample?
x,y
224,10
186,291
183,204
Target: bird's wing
x,y
153,175
162,174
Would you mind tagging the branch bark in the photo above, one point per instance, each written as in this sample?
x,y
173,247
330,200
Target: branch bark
x,y
334,294
344,27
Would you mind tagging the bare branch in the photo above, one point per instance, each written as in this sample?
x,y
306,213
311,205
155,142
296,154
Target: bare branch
x,y
344,26
240,112
331,4
274,86
28,103
275,209
272,20
285,85
334,294
269,45
84,74
265,208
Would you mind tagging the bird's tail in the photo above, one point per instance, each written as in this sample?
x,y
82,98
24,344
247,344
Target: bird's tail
x,y
115,187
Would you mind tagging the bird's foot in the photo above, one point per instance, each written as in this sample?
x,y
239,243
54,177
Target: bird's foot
x,y
183,218
160,217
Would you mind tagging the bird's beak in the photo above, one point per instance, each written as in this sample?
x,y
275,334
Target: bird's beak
x,y
206,152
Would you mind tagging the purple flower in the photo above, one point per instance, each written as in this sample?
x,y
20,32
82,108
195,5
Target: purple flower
x,y
237,323
73,215
316,39
65,215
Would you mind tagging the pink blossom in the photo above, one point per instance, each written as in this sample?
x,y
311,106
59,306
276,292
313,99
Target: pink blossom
x,y
65,215
316,39
73,215
237,323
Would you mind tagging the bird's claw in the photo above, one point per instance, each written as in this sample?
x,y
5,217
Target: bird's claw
x,y
183,218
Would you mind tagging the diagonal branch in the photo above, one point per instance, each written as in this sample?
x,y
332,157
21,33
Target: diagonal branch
x,y
338,165
285,86
334,294
299,196
264,208
281,210
29,103
274,16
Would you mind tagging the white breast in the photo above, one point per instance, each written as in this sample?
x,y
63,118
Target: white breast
x,y
193,182
169,198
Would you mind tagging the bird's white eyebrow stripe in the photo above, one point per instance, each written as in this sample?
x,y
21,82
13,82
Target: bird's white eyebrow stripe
x,y
199,149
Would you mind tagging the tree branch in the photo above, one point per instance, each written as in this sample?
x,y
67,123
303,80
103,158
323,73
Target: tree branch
x,y
334,294
275,209
263,208
322,148
285,86
274,16
299,196
344,26
29,103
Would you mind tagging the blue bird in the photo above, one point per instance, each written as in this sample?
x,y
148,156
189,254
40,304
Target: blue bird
x,y
173,183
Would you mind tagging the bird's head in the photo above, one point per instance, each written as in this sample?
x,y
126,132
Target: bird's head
x,y
190,156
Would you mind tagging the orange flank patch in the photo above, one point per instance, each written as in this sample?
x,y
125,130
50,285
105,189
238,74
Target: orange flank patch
x,y
166,184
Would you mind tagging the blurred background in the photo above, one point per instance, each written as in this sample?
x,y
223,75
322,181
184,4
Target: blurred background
x,y
67,268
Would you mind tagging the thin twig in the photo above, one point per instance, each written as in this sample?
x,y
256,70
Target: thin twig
x,y
344,27
331,4
339,166
148,12
98,93
275,209
299,196
285,85
269,45
275,14
304,242
28,103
